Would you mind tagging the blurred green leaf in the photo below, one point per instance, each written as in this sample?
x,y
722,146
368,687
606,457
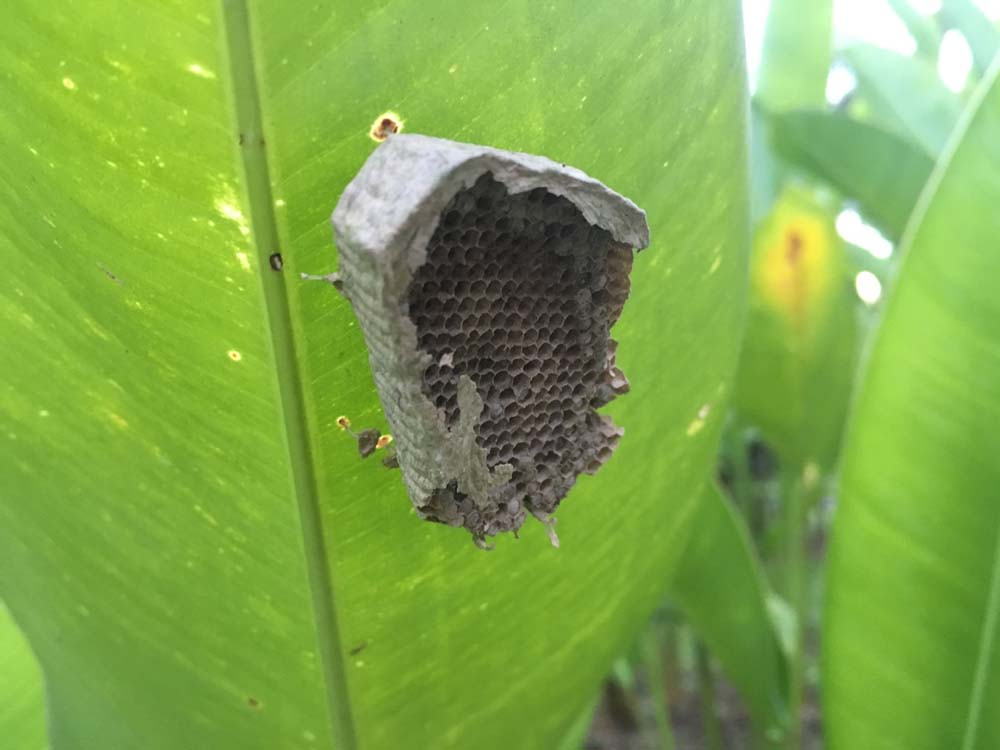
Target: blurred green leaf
x,y
765,169
721,590
795,58
654,667
981,34
924,29
903,94
913,611
576,737
860,259
881,171
786,623
800,346
180,502
22,699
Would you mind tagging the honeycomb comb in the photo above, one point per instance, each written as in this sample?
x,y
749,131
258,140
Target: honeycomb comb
x,y
485,283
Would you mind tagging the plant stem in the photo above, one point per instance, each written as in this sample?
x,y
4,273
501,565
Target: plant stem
x,y
794,503
746,491
706,694
652,658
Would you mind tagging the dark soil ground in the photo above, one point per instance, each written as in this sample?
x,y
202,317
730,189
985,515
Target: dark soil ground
x,y
617,726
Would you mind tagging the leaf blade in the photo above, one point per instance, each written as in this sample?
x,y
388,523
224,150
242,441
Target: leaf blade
x,y
22,699
795,60
449,83
886,81
881,171
720,573
917,529
150,528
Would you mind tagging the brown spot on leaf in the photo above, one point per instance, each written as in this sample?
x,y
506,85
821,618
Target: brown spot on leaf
x,y
385,125
793,248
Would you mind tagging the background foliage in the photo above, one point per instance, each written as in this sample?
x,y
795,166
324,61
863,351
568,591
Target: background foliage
x,y
186,526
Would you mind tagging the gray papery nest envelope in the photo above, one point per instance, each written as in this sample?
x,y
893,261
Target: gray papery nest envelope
x,y
485,283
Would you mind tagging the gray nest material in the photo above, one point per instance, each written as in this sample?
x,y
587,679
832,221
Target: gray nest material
x,y
485,283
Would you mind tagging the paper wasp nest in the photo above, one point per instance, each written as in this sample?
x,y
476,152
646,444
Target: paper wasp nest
x,y
485,283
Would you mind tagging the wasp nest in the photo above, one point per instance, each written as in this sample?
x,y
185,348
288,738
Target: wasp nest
x,y
485,283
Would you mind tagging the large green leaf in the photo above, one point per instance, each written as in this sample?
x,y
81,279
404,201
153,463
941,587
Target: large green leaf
x,y
913,610
795,58
195,550
721,589
22,714
880,170
905,95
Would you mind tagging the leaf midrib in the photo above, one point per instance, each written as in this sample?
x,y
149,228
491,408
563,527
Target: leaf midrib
x,y
250,136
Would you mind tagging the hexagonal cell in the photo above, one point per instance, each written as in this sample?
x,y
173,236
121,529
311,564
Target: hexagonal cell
x,y
510,269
